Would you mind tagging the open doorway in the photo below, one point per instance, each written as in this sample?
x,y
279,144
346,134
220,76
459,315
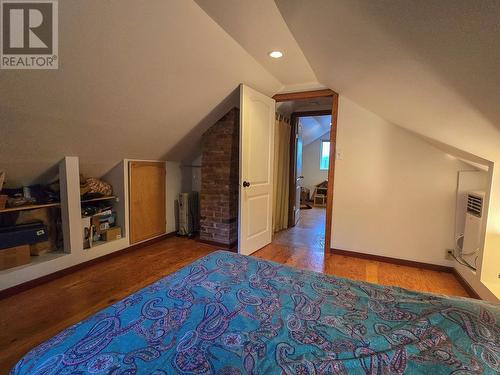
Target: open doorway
x,y
237,172
304,168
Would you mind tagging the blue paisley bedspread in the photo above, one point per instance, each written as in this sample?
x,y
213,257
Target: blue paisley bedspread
x,y
229,314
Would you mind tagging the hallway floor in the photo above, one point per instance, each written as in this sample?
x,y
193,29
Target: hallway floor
x,y
308,233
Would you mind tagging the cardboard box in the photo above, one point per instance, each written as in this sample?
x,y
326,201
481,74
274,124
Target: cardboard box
x,y
114,233
40,248
14,256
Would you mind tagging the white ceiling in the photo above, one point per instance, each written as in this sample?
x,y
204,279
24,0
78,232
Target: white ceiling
x,y
430,66
258,27
314,127
317,104
144,79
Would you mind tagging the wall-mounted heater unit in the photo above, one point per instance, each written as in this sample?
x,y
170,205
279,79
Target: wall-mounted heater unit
x,y
473,228
188,222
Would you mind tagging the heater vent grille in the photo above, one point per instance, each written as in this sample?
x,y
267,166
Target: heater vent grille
x,y
475,205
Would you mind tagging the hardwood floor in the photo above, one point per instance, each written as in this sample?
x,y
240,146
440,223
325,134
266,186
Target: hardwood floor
x,y
33,316
365,270
302,246
308,233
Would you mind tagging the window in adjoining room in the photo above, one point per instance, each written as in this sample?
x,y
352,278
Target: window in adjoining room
x,y
324,160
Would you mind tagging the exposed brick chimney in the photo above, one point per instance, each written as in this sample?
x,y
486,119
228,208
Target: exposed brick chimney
x,y
219,181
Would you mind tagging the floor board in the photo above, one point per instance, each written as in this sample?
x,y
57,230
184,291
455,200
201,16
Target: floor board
x,y
33,316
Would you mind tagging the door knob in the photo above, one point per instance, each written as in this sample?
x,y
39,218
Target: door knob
x,y
246,184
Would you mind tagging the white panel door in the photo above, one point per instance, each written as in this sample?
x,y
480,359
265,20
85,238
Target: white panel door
x,y
256,170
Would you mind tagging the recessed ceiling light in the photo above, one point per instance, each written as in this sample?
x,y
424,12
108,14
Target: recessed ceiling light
x,y
276,54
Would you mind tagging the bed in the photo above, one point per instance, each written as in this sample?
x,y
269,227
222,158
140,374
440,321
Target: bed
x,y
229,314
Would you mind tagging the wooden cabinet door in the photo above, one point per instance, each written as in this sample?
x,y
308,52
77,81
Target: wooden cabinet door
x,y
147,200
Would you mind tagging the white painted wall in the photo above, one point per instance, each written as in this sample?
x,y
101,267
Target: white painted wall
x,y
485,279
118,178
196,174
491,264
427,95
394,193
490,271
310,164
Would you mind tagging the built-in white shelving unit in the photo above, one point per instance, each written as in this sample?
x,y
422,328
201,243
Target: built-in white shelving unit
x,y
70,205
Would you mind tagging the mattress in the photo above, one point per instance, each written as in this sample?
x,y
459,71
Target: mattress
x,y
229,314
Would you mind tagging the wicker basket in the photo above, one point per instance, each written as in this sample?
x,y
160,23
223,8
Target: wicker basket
x,y
3,201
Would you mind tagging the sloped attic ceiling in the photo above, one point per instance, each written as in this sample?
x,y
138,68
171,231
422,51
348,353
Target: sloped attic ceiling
x,y
429,66
258,26
314,127
144,79
134,79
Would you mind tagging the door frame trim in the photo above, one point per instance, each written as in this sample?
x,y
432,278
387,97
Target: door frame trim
x,y
304,95
293,159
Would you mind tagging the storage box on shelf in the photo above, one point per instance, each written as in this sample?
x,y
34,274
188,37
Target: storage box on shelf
x,y
14,256
99,221
112,234
33,221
